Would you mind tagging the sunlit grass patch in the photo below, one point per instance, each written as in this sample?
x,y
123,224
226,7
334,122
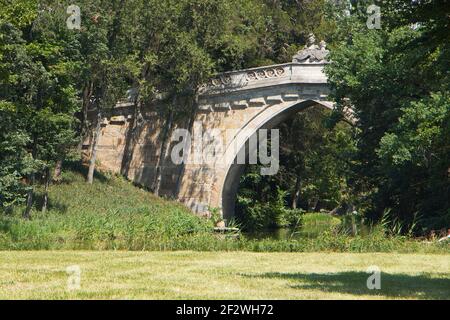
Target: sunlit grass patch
x,y
222,275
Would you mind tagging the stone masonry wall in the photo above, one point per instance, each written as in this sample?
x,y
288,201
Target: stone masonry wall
x,y
131,146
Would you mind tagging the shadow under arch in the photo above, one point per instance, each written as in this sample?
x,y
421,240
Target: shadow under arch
x,y
265,120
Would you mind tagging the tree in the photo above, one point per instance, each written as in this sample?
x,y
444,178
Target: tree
x,y
39,98
396,79
14,158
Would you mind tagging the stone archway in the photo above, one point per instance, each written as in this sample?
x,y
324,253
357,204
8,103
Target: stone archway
x,y
266,120
245,101
242,101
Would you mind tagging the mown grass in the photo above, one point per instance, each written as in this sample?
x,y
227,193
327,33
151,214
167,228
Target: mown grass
x,y
221,275
113,214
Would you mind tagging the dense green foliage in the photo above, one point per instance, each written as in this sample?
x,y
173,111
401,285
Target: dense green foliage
x,y
397,81
38,101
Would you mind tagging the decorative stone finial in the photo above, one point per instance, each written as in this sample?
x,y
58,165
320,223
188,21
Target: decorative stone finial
x,y
311,41
312,53
322,45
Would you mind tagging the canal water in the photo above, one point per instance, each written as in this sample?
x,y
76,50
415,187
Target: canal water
x,y
312,226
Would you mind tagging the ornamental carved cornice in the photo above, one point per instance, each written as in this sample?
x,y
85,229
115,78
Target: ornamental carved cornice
x,y
265,73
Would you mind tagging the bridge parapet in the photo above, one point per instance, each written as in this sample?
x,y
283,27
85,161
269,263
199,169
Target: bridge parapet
x,y
258,86
255,78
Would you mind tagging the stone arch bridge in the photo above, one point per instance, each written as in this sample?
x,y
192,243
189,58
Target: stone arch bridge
x,y
243,101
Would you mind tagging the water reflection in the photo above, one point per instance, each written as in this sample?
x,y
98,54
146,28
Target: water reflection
x,y
313,225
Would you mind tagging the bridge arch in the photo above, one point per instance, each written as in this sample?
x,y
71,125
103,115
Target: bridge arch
x,y
241,101
245,101
268,119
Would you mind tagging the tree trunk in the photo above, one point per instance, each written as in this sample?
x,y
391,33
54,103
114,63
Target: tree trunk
x,y
317,205
87,94
312,204
58,170
30,192
90,176
163,154
27,212
47,183
131,137
194,105
335,210
296,195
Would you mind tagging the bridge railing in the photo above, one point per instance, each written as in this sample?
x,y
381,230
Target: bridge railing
x,y
265,76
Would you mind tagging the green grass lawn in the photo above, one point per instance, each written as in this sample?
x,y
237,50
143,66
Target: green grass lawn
x,y
222,275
